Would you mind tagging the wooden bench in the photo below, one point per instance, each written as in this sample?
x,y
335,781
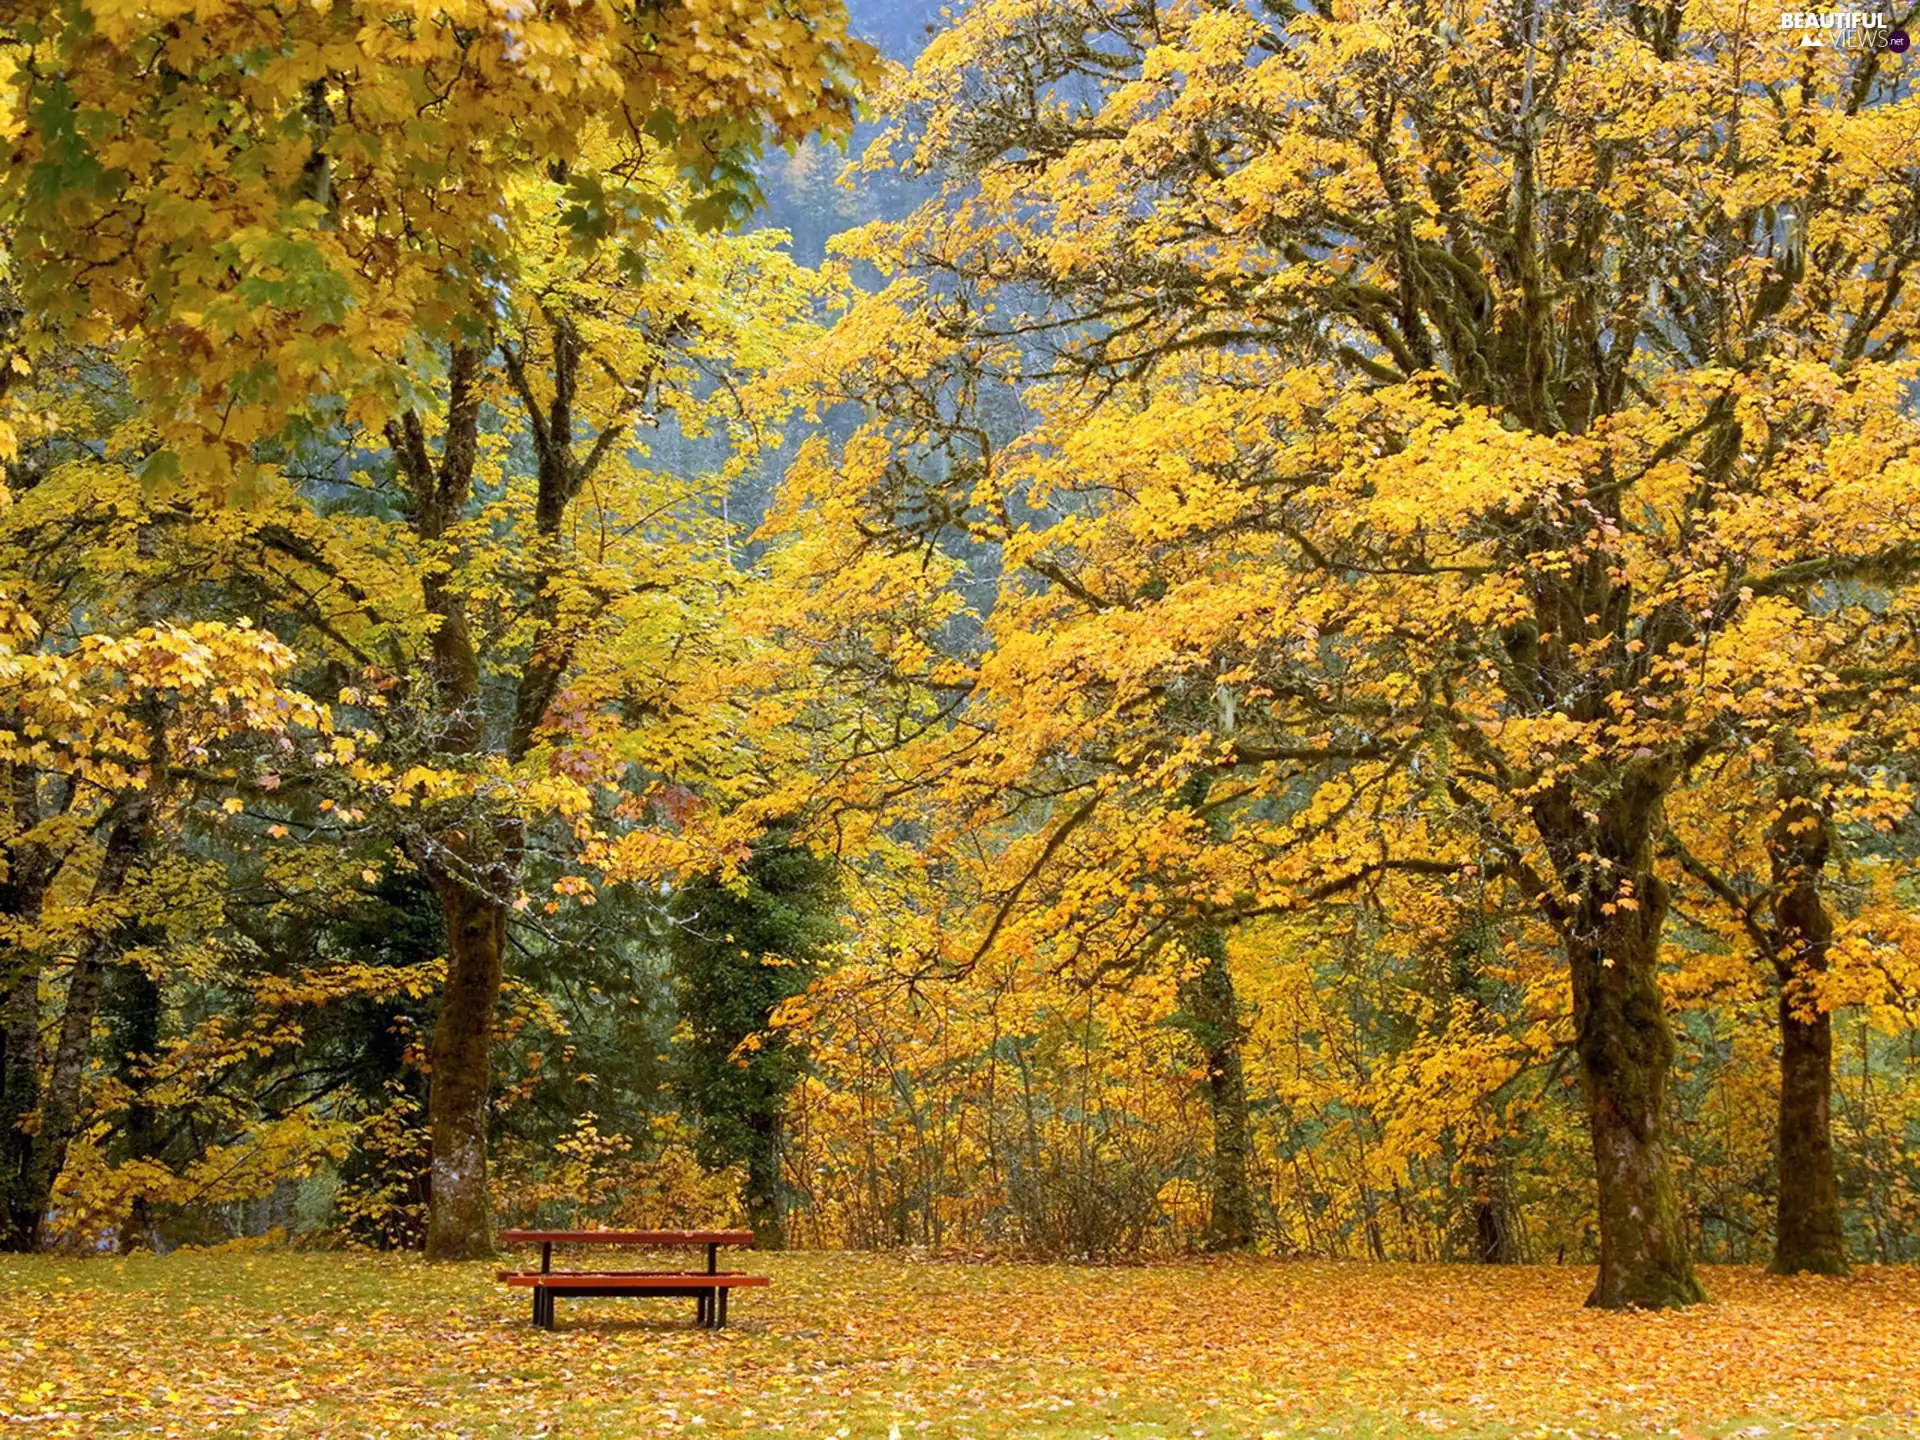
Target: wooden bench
x,y
709,1291
709,1288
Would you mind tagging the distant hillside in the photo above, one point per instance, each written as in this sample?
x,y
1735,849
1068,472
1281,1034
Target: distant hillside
x,y
898,27
803,197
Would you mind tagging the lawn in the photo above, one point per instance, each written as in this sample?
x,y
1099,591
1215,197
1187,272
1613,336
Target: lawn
x,y
315,1344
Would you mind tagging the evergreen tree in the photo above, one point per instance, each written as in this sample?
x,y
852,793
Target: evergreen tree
x,y
738,950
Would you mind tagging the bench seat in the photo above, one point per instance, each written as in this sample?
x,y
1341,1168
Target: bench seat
x,y
668,1282
709,1289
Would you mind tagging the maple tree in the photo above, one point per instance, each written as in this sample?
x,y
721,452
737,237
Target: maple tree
x,y
291,209
352,215
111,707
562,619
1467,414
1772,865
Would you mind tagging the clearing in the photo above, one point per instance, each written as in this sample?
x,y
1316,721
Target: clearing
x,y
274,1342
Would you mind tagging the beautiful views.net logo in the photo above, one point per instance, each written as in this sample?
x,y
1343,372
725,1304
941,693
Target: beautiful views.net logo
x,y
1846,30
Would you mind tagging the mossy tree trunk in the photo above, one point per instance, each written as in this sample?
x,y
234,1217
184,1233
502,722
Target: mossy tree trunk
x,y
1626,1052
1807,1232
1611,926
1211,1012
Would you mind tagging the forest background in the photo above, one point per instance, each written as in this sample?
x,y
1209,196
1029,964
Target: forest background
x,y
1286,630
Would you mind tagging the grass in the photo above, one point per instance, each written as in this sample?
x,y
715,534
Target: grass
x,y
279,1343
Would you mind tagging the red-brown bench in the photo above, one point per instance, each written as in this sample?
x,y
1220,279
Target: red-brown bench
x,y
709,1289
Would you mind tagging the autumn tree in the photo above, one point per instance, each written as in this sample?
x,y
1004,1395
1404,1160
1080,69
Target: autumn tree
x,y
116,704
1769,837
1780,898
272,215
565,595
1467,401
351,217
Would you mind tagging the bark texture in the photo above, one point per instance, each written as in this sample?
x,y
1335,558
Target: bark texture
x,y
1626,1053
1213,1016
1807,1232
1611,928
461,1058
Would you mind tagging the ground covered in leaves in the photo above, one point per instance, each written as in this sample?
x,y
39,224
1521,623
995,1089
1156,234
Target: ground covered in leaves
x,y
308,1344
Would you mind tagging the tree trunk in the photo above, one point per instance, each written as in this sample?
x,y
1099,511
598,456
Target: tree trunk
x,y
461,1071
30,869
1492,1238
135,1021
764,1210
1610,908
1807,1230
460,1058
19,1099
60,1112
1626,1051
1213,1017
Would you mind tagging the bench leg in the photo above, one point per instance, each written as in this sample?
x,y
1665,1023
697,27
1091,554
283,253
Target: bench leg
x,y
722,1323
700,1299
